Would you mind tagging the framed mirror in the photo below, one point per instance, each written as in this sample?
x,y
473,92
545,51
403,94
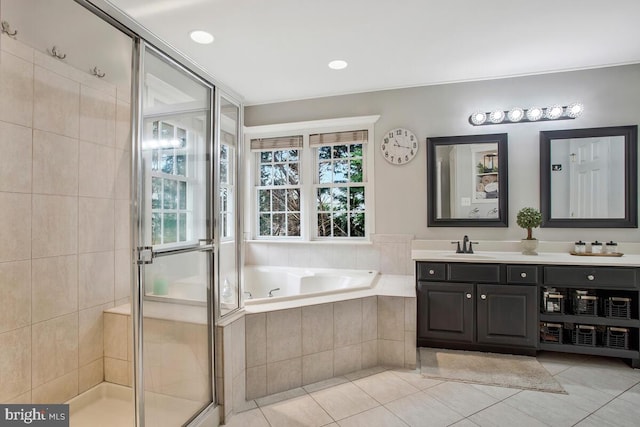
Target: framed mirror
x,y
588,177
467,181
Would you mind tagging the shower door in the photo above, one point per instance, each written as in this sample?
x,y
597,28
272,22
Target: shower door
x,y
173,299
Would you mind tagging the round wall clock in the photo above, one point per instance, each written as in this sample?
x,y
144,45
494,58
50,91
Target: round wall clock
x,y
399,146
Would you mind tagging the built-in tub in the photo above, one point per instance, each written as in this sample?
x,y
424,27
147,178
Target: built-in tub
x,y
294,283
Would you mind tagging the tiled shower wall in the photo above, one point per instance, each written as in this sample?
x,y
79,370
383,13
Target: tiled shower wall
x,y
64,223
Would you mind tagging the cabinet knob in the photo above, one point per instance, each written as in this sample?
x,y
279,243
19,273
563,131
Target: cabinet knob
x,y
591,277
432,272
468,296
483,296
523,275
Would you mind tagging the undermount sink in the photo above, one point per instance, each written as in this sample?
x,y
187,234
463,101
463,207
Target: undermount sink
x,y
468,256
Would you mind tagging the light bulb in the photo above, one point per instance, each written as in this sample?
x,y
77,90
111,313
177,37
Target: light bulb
x,y
201,37
496,116
478,118
554,112
515,114
534,113
574,110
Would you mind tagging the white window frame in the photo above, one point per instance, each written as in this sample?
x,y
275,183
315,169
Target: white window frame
x,y
309,173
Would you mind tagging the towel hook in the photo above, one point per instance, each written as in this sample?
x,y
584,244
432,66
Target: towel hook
x,y
96,72
6,28
56,53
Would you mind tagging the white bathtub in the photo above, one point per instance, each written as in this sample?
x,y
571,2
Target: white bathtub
x,y
296,283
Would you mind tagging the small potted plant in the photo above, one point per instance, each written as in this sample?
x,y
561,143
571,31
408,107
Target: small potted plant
x,y
529,218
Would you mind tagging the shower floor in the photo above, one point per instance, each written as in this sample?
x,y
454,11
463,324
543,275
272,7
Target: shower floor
x,y
111,405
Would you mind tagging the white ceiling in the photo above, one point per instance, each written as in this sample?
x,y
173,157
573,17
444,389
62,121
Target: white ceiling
x,y
276,50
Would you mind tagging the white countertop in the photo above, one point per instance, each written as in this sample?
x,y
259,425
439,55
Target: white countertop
x,y
560,258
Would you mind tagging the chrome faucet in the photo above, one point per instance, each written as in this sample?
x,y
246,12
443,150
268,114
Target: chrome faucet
x,y
273,290
465,249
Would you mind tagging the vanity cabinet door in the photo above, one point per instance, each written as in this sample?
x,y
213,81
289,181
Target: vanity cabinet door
x,y
445,311
507,315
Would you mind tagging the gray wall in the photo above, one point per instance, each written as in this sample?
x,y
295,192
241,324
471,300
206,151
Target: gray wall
x,y
611,97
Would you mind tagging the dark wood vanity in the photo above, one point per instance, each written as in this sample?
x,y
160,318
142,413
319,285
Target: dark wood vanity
x,y
505,307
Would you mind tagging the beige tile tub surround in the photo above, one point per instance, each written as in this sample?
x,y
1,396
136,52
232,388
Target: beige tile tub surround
x,y
59,182
294,347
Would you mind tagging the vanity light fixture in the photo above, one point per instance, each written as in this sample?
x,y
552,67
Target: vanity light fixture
x,y
532,114
200,36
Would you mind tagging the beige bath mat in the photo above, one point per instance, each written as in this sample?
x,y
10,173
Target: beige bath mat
x,y
503,370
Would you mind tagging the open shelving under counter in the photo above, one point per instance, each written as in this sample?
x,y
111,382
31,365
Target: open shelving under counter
x,y
509,302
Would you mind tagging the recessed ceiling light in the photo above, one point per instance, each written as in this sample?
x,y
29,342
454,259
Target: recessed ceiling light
x,y
201,37
338,64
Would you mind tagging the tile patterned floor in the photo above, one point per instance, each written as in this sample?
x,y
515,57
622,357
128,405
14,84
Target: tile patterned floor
x,y
602,392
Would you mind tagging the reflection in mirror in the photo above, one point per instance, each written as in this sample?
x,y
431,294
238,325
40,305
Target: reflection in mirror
x,y
467,181
588,177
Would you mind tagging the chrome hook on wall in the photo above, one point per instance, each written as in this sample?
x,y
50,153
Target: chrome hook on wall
x,y
6,29
56,53
96,72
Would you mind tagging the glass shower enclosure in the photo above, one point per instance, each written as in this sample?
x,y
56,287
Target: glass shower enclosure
x,y
173,299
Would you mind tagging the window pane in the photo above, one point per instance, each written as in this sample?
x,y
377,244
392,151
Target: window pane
x,y
340,225
223,199
355,170
279,175
324,224
265,174
278,225
265,224
293,224
181,134
356,199
293,199
293,155
266,157
154,130
293,174
223,226
279,202
156,229
339,198
355,150
325,172
264,200
155,163
183,228
280,156
166,131
357,224
156,192
183,195
166,162
170,194
324,199
181,165
224,173
224,152
340,151
324,153
340,171
170,232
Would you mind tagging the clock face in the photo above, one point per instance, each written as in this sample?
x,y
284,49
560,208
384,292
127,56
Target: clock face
x,y
399,146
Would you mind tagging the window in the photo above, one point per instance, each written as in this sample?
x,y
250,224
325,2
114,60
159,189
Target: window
x,y
340,188
169,184
312,185
278,187
227,186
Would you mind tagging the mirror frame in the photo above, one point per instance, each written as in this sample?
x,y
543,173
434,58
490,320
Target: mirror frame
x,y
503,160
630,219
